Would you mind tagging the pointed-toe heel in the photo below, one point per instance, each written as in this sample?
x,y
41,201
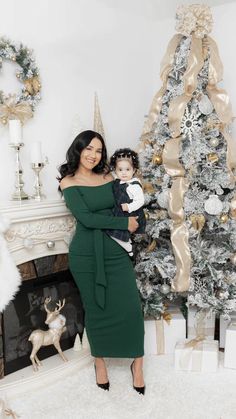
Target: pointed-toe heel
x,y
140,390
104,386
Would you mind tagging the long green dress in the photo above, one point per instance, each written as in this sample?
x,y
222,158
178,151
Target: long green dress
x,y
104,275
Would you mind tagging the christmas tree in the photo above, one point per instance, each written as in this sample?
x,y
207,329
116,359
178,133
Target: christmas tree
x,y
188,160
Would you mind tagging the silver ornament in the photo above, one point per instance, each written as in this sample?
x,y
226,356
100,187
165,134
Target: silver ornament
x,y
163,199
50,244
165,289
205,106
220,294
213,205
214,142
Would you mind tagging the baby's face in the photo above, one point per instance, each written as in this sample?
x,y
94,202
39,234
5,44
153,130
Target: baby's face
x,y
124,170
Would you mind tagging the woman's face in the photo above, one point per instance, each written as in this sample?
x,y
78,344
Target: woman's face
x,y
91,155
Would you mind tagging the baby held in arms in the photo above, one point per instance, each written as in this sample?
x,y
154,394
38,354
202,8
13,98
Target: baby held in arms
x,y
128,193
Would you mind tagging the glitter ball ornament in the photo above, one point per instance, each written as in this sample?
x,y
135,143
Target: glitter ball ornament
x,y
163,199
224,218
214,142
213,205
157,159
205,106
212,157
165,289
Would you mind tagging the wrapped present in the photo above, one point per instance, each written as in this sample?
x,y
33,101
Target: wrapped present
x,y
196,354
230,346
201,323
161,335
224,323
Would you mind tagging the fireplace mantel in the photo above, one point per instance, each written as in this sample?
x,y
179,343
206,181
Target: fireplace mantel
x,y
37,229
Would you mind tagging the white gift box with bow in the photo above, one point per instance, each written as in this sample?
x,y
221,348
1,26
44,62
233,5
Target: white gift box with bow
x,y
161,335
197,355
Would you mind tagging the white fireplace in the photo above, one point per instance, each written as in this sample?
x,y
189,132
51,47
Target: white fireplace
x,y
37,230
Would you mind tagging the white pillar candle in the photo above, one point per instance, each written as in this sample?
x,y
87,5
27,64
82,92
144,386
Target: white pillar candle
x,y
36,152
15,131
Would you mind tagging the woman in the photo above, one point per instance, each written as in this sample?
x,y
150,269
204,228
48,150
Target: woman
x,y
101,268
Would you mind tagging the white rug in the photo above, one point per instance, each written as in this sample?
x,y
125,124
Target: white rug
x,y
169,395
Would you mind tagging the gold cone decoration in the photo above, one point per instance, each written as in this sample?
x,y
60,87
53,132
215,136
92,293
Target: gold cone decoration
x,y
97,124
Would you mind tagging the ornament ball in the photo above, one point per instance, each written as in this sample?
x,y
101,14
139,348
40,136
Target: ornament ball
x,y
224,218
213,157
165,289
157,159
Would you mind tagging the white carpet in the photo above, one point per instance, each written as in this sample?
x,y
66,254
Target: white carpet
x,y
169,395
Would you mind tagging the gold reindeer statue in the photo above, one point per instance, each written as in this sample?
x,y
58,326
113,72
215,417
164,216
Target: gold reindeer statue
x,y
56,323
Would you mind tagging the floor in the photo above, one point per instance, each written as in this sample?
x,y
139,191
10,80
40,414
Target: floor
x,y
68,391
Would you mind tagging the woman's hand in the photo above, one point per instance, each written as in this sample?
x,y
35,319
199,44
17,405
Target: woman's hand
x,y
133,224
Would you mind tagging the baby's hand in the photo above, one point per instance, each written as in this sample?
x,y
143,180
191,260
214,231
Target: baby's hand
x,y
124,207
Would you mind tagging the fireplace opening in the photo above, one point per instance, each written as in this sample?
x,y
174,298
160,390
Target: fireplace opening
x,y
43,277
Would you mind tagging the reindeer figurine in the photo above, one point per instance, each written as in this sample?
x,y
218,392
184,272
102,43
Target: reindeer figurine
x,y
56,323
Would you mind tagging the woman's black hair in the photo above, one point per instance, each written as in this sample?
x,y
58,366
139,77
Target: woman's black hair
x,y
125,153
74,152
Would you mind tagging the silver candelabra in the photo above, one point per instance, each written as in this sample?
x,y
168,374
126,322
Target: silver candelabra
x,y
19,193
37,167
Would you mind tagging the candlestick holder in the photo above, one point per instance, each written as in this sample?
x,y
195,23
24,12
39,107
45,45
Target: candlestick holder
x,y
19,193
37,167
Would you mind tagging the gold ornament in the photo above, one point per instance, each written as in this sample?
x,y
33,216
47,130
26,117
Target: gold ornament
x,y
13,58
198,221
147,187
18,75
157,159
213,157
147,215
152,246
224,218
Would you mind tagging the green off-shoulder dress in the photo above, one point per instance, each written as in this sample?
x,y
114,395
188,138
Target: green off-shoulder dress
x,y
104,275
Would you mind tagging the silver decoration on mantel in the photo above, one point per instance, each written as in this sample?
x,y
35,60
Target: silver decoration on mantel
x,y
37,167
19,193
205,106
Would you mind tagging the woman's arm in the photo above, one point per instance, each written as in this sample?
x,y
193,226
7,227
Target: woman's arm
x,y
79,209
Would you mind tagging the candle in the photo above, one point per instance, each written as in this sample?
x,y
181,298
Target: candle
x,y
15,131
36,152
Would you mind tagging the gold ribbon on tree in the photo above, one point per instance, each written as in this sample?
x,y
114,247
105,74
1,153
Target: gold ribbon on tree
x,y
9,109
179,230
166,66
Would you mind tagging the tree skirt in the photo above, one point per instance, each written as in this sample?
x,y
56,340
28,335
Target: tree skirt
x,y
169,395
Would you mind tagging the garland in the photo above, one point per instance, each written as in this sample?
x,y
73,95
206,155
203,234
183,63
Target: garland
x,y
20,106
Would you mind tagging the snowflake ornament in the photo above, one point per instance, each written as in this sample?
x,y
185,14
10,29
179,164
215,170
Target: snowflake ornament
x,y
190,124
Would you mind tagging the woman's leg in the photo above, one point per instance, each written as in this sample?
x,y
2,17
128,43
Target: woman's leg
x,y
138,372
101,371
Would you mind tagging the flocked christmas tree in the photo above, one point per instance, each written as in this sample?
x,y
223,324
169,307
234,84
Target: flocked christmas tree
x,y
188,159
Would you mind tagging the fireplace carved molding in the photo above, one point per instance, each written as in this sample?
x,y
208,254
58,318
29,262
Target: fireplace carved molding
x,y
37,229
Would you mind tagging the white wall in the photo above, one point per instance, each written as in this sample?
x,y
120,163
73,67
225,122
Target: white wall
x,y
113,47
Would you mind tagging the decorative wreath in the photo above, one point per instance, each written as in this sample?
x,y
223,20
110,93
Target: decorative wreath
x,y
20,106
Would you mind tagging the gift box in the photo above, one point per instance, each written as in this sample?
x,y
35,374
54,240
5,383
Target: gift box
x,y
161,335
196,355
201,323
224,323
230,346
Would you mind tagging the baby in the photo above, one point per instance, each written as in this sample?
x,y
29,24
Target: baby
x,y
128,194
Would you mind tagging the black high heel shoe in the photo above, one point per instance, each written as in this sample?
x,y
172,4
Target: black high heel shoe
x,y
104,386
140,390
